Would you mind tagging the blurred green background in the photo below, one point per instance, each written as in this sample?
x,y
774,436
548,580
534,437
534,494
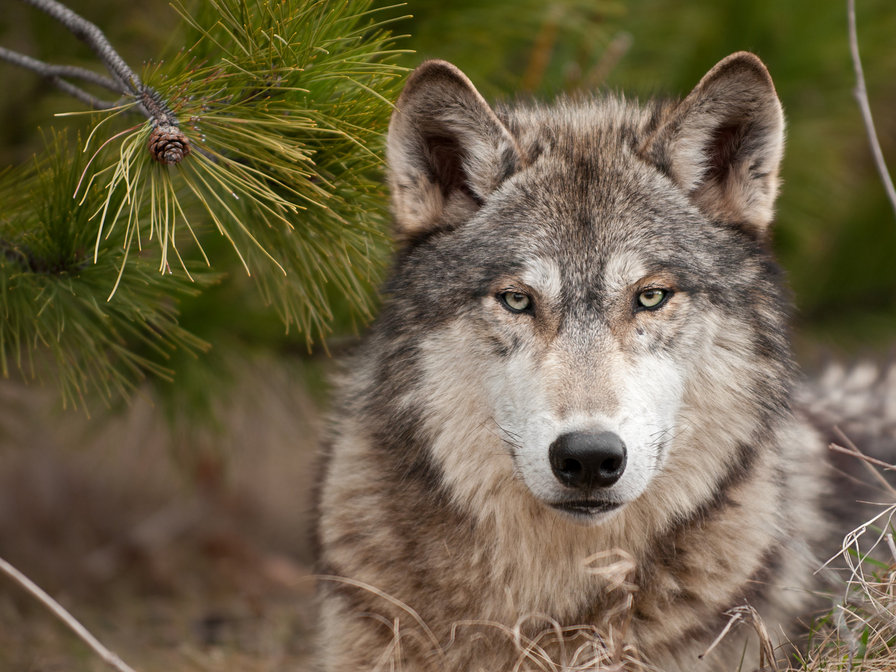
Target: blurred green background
x,y
836,232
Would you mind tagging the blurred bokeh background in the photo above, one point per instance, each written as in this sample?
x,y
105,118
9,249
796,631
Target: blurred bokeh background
x,y
176,524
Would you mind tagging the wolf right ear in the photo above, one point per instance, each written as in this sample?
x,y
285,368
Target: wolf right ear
x,y
446,150
723,143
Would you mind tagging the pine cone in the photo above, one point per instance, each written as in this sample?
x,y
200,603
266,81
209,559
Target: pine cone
x,y
168,145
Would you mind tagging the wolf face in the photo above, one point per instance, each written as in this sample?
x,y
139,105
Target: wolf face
x,y
574,274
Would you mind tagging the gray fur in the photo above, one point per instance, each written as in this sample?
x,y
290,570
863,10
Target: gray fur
x,y
438,509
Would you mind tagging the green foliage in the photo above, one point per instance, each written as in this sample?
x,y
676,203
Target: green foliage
x,y
53,293
284,105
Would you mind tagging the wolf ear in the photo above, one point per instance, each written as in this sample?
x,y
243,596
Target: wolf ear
x,y
446,150
723,143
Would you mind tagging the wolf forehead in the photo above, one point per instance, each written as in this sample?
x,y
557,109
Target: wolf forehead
x,y
575,171
585,136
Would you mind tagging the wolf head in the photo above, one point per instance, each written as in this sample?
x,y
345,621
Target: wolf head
x,y
583,303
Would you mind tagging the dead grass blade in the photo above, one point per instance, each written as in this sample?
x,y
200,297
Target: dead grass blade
x,y
62,614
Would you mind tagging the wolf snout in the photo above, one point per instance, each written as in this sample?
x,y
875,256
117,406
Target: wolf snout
x,y
588,460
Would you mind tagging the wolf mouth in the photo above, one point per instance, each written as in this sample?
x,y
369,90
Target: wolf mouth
x,y
586,507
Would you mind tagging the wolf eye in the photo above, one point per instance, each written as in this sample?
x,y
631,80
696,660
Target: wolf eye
x,y
515,302
653,298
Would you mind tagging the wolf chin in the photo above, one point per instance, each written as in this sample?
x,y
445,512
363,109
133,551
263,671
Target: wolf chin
x,y
582,364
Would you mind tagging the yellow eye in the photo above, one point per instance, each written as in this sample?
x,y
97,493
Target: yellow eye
x,y
515,302
653,298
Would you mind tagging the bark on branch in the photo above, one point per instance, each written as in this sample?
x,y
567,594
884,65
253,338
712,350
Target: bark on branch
x,y
167,144
57,73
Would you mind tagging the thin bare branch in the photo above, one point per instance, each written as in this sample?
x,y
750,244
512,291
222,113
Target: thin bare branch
x,y
54,74
91,35
861,95
50,70
60,612
870,460
82,95
125,82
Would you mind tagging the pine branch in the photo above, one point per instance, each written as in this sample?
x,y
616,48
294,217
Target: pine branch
x,y
54,318
48,70
125,82
259,125
264,136
55,74
281,110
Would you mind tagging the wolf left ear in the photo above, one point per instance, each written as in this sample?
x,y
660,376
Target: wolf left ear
x,y
723,143
446,150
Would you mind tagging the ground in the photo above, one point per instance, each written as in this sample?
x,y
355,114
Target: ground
x,y
185,550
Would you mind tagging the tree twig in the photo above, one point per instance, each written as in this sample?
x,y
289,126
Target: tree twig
x,y
60,612
82,95
50,70
125,81
861,95
55,73
91,35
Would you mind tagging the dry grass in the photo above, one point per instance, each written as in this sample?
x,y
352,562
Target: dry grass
x,y
859,633
555,648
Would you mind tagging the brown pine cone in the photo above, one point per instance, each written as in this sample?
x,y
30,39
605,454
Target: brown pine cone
x,y
168,145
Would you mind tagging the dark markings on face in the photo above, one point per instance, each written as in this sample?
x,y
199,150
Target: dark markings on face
x,y
740,468
504,347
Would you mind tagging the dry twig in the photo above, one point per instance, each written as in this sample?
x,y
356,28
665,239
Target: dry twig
x,y
60,612
862,97
88,33
869,462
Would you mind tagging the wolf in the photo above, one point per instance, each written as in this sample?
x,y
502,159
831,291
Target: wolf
x,y
575,428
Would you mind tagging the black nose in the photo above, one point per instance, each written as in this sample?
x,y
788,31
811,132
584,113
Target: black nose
x,y
587,460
